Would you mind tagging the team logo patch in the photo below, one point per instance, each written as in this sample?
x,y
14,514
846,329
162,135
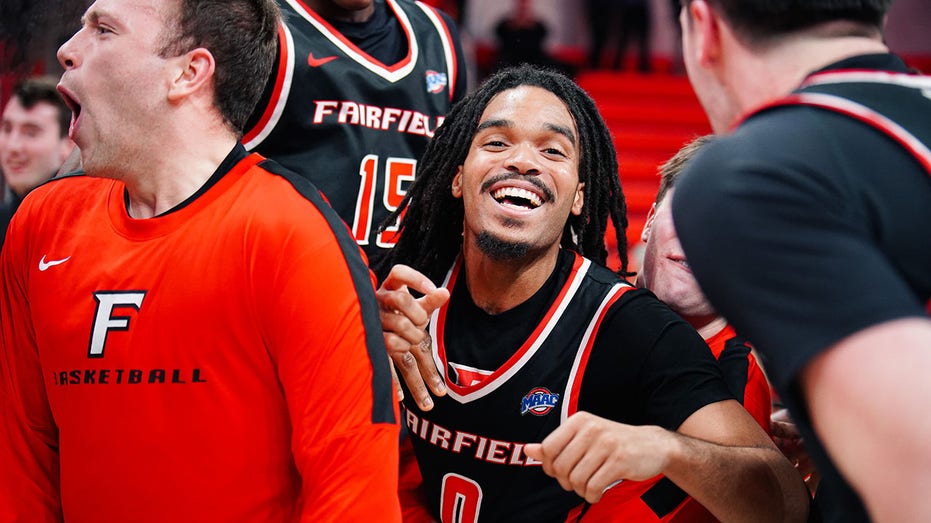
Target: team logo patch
x,y
538,402
436,82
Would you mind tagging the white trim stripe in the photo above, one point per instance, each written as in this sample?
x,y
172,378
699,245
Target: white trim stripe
x,y
451,70
282,96
589,332
909,140
364,61
902,79
490,386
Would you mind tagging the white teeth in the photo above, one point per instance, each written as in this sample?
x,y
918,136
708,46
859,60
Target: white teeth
x,y
517,192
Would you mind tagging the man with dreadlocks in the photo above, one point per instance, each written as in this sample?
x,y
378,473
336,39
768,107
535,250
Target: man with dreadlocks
x,y
509,212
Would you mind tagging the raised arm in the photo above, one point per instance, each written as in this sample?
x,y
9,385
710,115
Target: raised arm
x,y
869,398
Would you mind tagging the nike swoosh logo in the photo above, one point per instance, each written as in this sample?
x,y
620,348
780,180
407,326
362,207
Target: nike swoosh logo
x,y
43,265
317,62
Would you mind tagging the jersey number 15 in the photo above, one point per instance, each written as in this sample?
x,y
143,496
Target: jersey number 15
x,y
398,173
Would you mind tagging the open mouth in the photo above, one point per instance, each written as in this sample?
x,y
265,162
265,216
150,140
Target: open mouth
x,y
72,104
517,197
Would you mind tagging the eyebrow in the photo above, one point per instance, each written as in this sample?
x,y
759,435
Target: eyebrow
x,y
90,17
561,129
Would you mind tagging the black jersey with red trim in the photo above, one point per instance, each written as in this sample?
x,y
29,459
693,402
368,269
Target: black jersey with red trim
x,y
596,344
353,125
837,175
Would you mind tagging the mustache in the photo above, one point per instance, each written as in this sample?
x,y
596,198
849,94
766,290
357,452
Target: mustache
x,y
532,180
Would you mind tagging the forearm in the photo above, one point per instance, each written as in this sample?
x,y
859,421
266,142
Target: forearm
x,y
875,427
738,483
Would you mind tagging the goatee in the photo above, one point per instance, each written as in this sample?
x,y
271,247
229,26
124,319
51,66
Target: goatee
x,y
498,249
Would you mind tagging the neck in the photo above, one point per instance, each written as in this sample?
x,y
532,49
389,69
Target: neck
x,y
707,326
759,76
497,286
163,181
328,9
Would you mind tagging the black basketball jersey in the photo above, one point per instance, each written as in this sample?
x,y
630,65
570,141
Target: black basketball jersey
x,y
897,104
352,125
470,446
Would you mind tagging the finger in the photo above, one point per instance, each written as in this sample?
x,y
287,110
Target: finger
x,y
433,300
423,352
599,483
399,324
402,276
582,476
406,365
397,383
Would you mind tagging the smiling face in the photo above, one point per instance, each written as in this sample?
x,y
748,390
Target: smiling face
x,y
665,269
31,145
520,178
116,82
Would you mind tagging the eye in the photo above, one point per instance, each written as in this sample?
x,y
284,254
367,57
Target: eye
x,y
102,29
494,144
553,151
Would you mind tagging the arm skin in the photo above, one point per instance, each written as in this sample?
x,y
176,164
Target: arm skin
x,y
720,456
404,320
869,397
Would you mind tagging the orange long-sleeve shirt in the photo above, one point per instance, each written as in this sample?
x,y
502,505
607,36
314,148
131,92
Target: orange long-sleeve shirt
x,y
221,362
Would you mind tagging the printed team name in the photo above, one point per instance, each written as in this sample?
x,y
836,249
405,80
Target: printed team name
x,y
382,118
481,448
127,376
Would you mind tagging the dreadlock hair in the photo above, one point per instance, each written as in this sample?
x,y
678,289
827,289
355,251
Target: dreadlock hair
x,y
430,233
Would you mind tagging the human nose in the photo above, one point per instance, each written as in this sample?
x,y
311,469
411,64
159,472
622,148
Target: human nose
x,y
523,159
67,53
12,141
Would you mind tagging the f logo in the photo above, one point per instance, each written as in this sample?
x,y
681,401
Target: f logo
x,y
105,321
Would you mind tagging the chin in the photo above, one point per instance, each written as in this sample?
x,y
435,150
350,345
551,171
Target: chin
x,y
498,248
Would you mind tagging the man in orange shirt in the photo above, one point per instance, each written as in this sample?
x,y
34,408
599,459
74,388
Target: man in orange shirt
x,y
188,333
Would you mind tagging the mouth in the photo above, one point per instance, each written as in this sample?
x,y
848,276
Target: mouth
x,y
72,104
517,197
518,192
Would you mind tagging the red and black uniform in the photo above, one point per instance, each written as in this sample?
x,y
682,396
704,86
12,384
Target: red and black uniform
x,y
743,374
822,203
351,106
585,341
220,362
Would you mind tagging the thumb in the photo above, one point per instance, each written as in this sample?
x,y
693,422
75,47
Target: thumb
x,y
434,299
534,450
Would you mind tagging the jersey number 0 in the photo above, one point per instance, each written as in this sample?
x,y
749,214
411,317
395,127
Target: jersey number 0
x,y
461,499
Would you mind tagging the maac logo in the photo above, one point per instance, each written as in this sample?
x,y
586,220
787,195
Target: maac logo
x,y
436,82
538,402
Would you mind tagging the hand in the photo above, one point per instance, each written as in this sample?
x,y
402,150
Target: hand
x,y
786,436
404,322
588,454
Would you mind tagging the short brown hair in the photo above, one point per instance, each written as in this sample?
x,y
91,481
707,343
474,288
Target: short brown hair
x,y
242,36
669,172
44,89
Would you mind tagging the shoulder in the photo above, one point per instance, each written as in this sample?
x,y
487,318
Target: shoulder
x,y
640,314
73,192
